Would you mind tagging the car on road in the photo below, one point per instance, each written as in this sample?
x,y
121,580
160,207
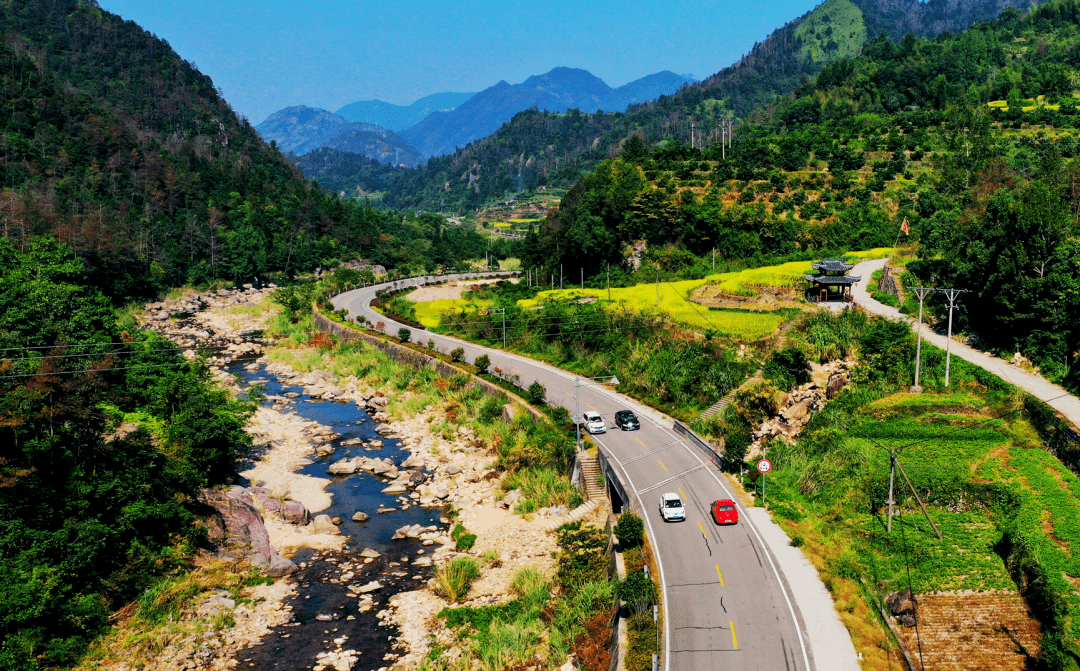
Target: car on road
x,y
593,422
671,507
627,420
725,512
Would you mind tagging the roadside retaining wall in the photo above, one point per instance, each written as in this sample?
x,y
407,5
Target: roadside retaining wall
x,y
1061,438
411,357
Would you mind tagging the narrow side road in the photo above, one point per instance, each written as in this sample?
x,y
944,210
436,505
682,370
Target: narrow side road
x,y
728,598
1051,394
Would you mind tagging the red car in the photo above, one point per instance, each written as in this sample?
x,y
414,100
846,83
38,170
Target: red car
x,y
725,512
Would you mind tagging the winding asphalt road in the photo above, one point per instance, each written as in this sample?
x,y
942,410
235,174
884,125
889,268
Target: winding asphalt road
x,y
727,604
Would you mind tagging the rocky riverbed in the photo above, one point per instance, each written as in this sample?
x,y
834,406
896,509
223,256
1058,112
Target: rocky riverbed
x,y
352,508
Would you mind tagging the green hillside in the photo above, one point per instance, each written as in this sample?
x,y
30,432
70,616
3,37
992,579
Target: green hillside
x,y
835,29
125,151
907,132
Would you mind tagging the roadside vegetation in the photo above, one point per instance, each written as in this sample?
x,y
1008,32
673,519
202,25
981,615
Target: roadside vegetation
x,y
545,619
1003,504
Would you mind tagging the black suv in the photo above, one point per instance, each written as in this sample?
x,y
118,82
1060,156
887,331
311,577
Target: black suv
x,y
627,421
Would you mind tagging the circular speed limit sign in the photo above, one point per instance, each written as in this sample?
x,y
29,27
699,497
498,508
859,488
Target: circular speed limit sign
x,y
764,465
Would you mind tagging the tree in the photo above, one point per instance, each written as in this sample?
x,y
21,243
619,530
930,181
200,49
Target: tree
x,y
630,530
404,334
537,393
482,363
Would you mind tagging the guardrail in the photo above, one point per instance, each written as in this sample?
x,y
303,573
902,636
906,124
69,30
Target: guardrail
x,y
701,444
611,477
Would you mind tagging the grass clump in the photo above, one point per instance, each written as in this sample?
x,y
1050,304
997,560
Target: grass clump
x,y
453,580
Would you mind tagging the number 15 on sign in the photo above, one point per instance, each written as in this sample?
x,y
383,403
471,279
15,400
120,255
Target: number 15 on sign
x,y
763,466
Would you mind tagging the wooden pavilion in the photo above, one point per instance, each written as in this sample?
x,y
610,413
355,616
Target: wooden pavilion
x,y
830,281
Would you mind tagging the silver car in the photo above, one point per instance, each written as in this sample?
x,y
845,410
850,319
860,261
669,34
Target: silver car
x,y
594,423
671,508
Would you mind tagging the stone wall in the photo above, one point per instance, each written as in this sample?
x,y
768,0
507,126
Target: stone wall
x,y
890,282
409,356
1061,438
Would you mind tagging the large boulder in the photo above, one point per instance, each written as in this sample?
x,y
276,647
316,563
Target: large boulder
x,y
837,381
345,466
904,607
245,530
322,524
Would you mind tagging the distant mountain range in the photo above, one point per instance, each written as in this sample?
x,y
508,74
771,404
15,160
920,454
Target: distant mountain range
x,y
298,130
399,117
556,91
541,149
446,121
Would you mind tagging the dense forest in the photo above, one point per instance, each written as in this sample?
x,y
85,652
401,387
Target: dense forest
x,y
537,148
119,148
107,434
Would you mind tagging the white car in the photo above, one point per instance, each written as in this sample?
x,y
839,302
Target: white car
x,y
671,508
594,423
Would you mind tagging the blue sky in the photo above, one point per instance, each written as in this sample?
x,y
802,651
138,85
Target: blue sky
x,y
271,54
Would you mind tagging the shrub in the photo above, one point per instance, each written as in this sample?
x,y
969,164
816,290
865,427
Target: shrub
x,y
559,415
630,530
453,580
637,591
581,557
537,393
465,542
430,344
490,411
457,354
788,368
404,334
482,363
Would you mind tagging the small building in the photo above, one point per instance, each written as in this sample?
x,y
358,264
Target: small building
x,y
830,281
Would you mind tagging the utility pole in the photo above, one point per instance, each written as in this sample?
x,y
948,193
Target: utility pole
x,y
609,282
560,277
892,472
501,311
657,286
952,295
691,134
714,259
921,292
582,281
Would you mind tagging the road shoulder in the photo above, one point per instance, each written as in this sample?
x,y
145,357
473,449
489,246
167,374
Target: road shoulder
x,y
830,642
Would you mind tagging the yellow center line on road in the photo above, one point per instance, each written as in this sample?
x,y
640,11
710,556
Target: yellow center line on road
x,y
720,575
568,394
702,530
594,408
661,464
642,444
734,640
681,492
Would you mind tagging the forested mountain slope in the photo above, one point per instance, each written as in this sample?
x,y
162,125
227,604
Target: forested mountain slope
x,y
970,138
537,148
117,146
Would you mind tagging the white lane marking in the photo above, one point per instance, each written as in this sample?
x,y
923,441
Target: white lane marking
x,y
664,482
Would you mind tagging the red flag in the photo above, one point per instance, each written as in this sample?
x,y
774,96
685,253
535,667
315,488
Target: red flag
x,y
904,227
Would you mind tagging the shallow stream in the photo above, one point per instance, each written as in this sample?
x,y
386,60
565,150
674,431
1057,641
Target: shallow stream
x,y
326,593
